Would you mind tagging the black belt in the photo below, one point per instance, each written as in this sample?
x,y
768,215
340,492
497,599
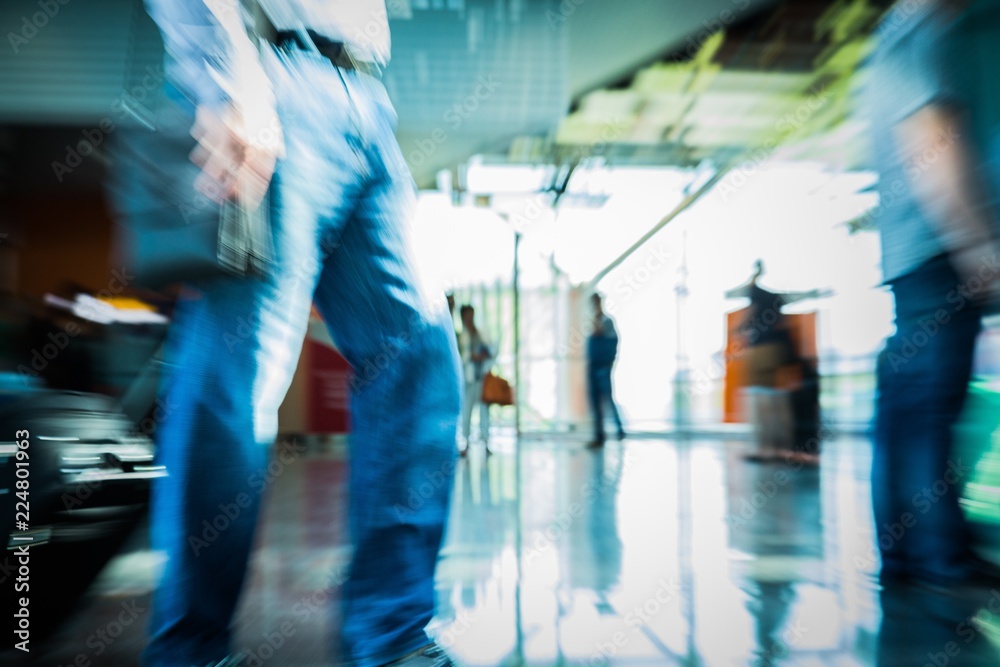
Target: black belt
x,y
336,52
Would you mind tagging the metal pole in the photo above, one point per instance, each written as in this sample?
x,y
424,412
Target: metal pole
x,y
518,457
517,333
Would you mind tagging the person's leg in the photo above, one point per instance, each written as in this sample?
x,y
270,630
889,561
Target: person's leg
x,y
783,422
210,451
233,350
888,447
470,400
484,420
924,376
615,415
596,407
751,410
405,416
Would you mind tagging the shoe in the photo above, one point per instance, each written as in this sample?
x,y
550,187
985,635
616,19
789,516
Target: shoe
x,y
621,435
595,444
489,452
464,452
431,655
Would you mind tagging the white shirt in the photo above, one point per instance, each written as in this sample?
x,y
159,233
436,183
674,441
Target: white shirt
x,y
211,59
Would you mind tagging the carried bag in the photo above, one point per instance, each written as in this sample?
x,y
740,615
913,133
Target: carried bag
x,y
167,231
496,390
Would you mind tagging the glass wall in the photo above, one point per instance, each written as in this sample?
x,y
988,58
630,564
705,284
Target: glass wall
x,y
668,296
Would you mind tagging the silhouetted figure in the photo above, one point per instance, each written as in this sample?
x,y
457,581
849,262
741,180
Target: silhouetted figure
x,y
770,351
602,350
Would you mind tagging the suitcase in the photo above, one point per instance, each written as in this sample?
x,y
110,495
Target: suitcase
x,y
76,471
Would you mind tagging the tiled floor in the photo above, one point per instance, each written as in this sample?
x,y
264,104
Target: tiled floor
x,y
646,553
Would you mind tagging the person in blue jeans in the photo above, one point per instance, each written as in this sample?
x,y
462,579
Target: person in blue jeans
x,y
602,350
307,119
937,220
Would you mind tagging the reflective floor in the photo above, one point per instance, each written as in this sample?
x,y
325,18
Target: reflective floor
x,y
645,553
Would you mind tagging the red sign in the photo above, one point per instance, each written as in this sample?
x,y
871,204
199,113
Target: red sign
x,y
329,390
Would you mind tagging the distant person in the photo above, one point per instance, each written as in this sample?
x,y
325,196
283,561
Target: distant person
x,y
933,111
770,351
602,351
476,357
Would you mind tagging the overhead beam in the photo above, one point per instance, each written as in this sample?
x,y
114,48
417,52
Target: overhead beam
x,y
684,205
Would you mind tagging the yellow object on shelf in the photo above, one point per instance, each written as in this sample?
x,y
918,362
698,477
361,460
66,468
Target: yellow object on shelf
x,y
125,303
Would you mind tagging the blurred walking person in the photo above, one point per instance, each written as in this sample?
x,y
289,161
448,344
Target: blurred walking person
x,y
307,108
934,118
477,355
602,351
771,351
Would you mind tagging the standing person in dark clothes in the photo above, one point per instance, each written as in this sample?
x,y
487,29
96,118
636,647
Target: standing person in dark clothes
x,y
602,350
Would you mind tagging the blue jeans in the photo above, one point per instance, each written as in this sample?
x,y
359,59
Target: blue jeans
x,y
342,199
923,379
599,389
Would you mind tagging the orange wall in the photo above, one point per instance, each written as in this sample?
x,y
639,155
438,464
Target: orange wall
x,y
803,331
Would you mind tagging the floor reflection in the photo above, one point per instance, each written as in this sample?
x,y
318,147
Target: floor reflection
x,y
643,553
926,628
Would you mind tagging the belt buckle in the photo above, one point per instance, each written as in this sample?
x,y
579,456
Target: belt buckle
x,y
345,53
